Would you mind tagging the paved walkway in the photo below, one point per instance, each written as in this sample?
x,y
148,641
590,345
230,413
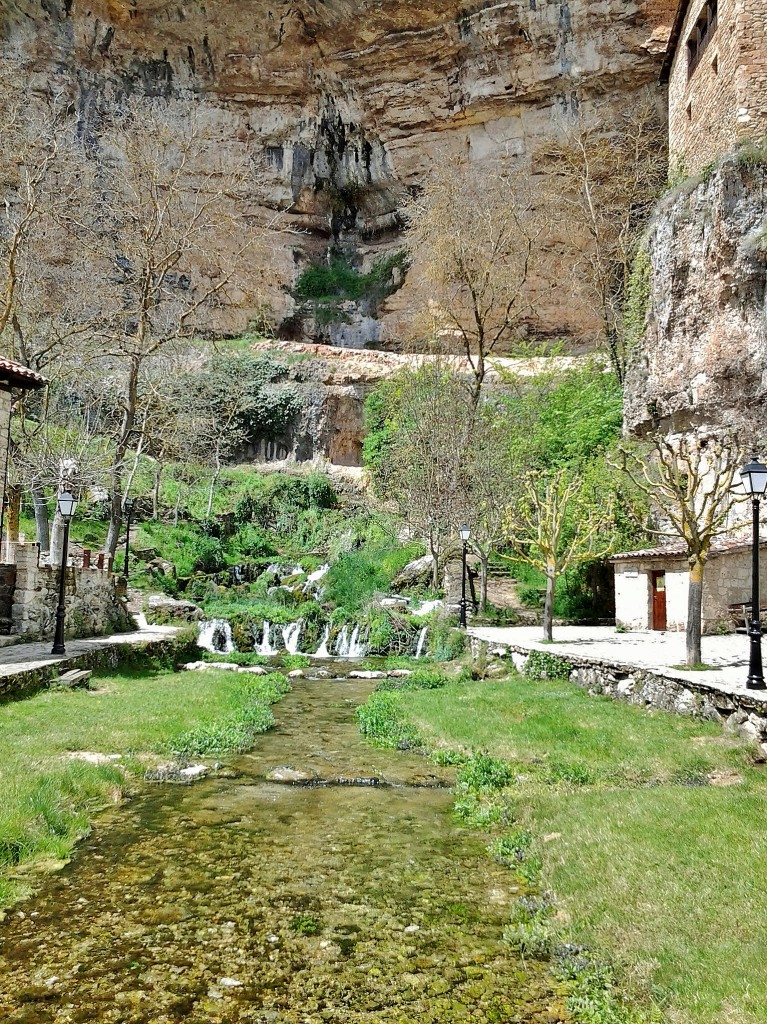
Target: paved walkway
x,y
657,652
27,657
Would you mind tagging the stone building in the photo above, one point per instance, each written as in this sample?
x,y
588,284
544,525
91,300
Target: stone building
x,y
651,587
716,70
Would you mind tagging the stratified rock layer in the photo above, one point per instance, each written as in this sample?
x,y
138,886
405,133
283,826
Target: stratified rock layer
x,y
341,104
704,355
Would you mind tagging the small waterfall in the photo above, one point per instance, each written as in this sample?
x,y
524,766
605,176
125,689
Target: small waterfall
x,y
421,642
356,649
216,636
342,644
265,648
313,577
322,651
290,635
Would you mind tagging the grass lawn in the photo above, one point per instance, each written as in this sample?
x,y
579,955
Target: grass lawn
x,y
649,864
47,798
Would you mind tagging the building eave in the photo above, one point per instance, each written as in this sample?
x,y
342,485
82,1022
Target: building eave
x,y
14,375
673,41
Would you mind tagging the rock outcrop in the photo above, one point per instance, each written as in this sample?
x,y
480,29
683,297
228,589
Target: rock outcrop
x,y
341,105
703,360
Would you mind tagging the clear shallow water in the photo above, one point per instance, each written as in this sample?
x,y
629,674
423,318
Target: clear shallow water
x,y
194,903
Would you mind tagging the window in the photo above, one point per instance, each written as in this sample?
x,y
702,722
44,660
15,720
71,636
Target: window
x,y
701,35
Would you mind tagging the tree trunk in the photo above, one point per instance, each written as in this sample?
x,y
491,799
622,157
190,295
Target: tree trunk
x,y
57,539
213,483
42,524
156,491
130,401
694,610
14,511
548,605
115,515
434,549
483,560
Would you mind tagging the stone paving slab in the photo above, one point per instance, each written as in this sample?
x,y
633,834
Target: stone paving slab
x,y
653,651
21,658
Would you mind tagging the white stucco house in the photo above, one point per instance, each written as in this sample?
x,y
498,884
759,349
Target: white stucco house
x,y
651,586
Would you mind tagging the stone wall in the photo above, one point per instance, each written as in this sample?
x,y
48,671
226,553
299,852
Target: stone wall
x,y
93,607
170,652
725,98
744,714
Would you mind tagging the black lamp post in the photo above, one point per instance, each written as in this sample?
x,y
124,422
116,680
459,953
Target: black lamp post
x,y
464,533
128,509
754,477
66,505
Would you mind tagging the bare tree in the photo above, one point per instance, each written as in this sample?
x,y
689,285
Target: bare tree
x,y
553,526
689,482
423,471
473,233
165,232
605,183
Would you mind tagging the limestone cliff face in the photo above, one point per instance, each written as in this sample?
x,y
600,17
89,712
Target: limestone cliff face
x,y
343,103
703,360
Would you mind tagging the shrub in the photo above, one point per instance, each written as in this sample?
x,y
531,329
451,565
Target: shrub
x,y
530,931
381,719
542,665
359,574
236,732
445,641
483,773
515,850
419,679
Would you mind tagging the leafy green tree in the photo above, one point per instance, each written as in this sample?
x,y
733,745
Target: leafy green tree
x,y
554,525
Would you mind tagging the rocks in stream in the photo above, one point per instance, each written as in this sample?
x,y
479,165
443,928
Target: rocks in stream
x,y
228,666
176,771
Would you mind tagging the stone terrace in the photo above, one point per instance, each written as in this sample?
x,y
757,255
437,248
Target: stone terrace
x,y
26,666
642,668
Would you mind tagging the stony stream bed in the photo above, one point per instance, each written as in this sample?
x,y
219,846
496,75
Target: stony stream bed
x,y
351,898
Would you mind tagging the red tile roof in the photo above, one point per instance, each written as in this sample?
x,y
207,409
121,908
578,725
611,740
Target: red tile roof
x,y
19,376
718,547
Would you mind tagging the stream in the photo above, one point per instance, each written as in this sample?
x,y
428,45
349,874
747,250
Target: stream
x,y
317,879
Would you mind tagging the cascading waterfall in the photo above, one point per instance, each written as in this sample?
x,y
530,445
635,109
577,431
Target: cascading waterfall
x,y
421,642
342,643
322,651
350,646
265,647
356,649
290,635
216,636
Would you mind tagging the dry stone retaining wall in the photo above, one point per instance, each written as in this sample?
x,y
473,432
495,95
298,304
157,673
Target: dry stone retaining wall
x,y
742,713
93,607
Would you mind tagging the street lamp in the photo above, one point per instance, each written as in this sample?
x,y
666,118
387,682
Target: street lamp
x,y
754,477
66,506
128,509
464,533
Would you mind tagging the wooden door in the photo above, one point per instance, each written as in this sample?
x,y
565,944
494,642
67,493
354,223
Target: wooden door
x,y
659,600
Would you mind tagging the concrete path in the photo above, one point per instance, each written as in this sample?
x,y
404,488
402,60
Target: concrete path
x,y
657,652
26,657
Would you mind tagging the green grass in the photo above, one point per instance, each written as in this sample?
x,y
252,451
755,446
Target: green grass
x,y
607,806
47,799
